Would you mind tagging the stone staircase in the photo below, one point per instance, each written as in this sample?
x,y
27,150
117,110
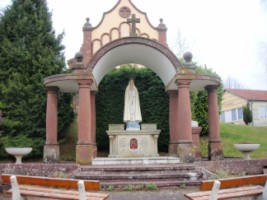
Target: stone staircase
x,y
162,175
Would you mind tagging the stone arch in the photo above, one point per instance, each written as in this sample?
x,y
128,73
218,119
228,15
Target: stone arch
x,y
133,50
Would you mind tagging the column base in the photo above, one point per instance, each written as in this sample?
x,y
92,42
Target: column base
x,y
173,148
51,153
186,151
198,154
215,150
84,154
95,151
195,135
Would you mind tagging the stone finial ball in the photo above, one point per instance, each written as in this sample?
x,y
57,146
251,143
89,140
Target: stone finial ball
x,y
188,56
79,56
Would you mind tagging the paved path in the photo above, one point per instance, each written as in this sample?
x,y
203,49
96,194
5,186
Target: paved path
x,y
162,194
174,193
171,194
147,195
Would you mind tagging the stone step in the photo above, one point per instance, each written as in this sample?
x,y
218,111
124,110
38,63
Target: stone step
x,y
137,176
135,168
136,161
158,182
130,173
159,174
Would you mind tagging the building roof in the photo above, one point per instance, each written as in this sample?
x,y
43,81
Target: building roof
x,y
252,95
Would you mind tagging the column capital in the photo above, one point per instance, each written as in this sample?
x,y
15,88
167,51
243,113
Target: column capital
x,y
184,83
211,88
93,93
172,92
52,89
85,83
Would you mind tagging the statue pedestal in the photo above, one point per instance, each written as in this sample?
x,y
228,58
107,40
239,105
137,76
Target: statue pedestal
x,y
133,143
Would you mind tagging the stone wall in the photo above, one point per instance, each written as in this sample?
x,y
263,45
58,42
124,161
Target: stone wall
x,y
40,169
245,167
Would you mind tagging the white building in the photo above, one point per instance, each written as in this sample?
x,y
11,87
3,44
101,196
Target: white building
x,y
235,99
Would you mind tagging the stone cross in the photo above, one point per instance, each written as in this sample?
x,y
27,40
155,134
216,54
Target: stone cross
x,y
133,21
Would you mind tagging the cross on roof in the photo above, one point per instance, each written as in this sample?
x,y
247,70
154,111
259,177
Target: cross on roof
x,y
133,21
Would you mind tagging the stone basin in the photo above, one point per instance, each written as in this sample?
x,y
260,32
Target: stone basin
x,y
246,149
18,152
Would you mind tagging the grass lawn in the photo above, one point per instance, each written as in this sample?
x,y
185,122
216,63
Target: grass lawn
x,y
232,134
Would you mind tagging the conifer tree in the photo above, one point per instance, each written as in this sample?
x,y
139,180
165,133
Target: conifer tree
x,y
247,114
29,51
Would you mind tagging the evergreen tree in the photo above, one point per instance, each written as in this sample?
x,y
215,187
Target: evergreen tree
x,y
247,114
29,52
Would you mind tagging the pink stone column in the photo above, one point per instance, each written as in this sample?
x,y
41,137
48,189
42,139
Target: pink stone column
x,y
84,148
184,111
93,122
215,146
185,148
51,148
173,103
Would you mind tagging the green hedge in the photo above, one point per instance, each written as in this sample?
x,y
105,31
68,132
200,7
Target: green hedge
x,y
154,102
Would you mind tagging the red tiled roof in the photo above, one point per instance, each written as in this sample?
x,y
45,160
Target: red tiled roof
x,y
255,95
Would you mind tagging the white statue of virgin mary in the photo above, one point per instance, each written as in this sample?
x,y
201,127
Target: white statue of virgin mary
x,y
132,112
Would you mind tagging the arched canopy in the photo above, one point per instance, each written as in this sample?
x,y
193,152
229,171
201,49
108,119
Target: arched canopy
x,y
135,50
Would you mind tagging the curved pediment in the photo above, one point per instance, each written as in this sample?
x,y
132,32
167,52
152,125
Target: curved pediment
x,y
113,25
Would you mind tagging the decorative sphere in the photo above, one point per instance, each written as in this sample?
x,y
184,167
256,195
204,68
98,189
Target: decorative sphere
x,y
79,56
188,56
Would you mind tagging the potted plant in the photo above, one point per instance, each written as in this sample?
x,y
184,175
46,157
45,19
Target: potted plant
x,y
246,148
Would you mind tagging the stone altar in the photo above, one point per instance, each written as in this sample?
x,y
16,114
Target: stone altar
x,y
133,143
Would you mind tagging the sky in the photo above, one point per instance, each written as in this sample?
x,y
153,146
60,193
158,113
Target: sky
x,y
224,35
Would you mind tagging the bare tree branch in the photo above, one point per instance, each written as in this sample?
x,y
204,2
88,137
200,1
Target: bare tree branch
x,y
231,83
180,45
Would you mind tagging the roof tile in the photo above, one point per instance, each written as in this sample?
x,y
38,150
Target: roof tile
x,y
255,95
